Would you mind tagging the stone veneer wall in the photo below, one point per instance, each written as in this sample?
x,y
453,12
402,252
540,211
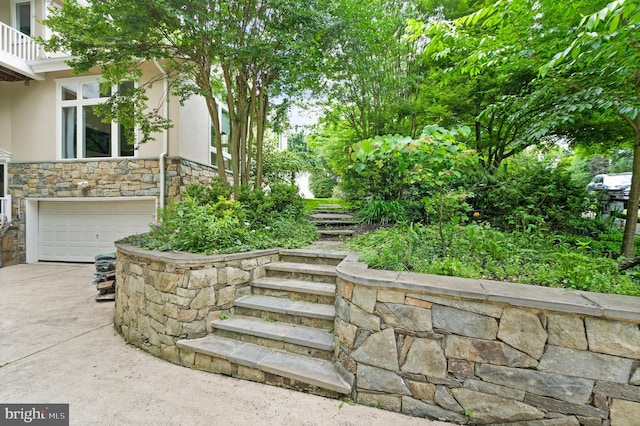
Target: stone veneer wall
x,y
164,297
484,352
127,177
181,173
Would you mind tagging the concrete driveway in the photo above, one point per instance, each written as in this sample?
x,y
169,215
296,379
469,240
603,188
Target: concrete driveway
x,y
58,345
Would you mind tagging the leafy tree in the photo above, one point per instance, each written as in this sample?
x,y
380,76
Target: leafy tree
x,y
596,69
297,143
373,77
489,73
601,67
247,51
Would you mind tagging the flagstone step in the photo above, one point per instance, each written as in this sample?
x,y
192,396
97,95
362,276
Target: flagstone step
x,y
292,311
336,222
279,331
308,257
302,271
261,364
336,232
309,291
331,216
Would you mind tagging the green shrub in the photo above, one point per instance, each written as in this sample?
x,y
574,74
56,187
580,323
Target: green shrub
x,y
383,212
201,224
531,195
475,251
262,207
210,194
321,184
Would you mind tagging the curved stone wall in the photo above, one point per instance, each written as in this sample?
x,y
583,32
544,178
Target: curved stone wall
x,y
458,350
486,352
164,297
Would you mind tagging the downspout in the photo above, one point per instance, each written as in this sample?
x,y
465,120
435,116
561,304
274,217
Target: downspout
x,y
165,136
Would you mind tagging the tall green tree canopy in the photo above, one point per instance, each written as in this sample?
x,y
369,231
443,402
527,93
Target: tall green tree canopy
x,y
372,78
244,51
582,59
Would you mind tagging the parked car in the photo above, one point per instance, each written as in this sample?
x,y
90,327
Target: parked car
x,y
617,185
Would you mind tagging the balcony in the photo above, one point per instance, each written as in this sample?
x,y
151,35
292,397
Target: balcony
x,y
17,51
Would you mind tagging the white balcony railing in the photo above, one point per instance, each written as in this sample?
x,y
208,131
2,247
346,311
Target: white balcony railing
x,y
18,44
5,209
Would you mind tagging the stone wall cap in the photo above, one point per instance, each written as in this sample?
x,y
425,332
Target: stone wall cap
x,y
615,306
442,284
184,258
526,295
610,306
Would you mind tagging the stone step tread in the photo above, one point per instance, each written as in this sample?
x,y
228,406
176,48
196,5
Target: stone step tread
x,y
323,254
309,370
329,206
336,231
334,222
331,216
290,333
330,211
304,268
298,286
287,306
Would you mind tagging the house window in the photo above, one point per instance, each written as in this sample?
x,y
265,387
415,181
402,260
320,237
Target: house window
x,y
23,17
82,132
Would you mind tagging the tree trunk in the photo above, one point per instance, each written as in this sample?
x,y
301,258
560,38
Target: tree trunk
x,y
261,119
233,124
212,106
628,240
203,80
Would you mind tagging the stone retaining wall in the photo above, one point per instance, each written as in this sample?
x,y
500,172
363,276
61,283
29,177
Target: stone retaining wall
x,y
484,352
164,297
459,350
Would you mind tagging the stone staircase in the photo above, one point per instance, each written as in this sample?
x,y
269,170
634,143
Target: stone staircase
x,y
281,333
333,222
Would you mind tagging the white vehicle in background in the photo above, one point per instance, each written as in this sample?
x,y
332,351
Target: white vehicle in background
x,y
613,188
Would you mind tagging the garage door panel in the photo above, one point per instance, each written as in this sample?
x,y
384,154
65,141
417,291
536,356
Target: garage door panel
x,y
77,231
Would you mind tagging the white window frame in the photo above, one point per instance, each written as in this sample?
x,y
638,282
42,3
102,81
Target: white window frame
x,y
225,139
79,104
14,15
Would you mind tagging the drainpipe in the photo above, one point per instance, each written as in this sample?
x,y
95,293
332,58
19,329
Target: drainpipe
x,y
165,136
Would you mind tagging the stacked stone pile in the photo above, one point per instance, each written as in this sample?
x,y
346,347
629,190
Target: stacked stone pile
x,y
105,277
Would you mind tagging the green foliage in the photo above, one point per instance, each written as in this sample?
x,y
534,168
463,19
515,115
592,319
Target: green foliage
x,y
383,212
446,208
392,164
256,220
531,195
262,208
218,188
374,74
284,165
321,184
479,251
314,203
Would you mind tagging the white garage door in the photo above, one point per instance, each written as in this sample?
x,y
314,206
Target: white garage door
x,y
77,231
